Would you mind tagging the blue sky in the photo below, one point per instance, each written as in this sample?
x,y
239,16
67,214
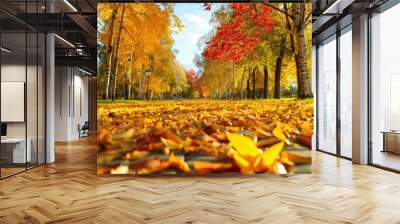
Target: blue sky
x,y
196,24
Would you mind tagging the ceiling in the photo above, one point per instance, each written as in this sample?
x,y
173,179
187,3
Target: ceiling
x,y
330,15
74,22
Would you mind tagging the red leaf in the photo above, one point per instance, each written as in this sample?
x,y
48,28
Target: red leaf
x,y
233,42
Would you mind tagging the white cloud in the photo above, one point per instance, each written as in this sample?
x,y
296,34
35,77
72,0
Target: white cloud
x,y
193,37
197,21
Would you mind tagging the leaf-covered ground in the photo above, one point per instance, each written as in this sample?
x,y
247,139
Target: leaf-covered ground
x,y
205,136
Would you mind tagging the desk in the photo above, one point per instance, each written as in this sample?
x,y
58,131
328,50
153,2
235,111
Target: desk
x,y
391,141
16,147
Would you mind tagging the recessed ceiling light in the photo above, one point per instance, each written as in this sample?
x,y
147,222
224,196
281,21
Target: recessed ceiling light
x,y
337,7
84,71
5,50
70,5
64,40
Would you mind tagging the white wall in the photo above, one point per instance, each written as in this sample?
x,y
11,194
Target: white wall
x,y
62,82
14,73
9,73
34,125
71,102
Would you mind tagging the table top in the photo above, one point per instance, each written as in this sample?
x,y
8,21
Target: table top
x,y
13,140
391,132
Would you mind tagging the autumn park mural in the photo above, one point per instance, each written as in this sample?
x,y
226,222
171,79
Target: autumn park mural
x,y
203,88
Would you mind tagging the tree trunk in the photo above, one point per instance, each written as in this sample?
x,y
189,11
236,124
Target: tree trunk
x,y
130,87
241,83
290,29
140,86
126,84
248,85
278,69
117,48
233,81
141,82
129,75
148,87
109,74
254,82
265,93
110,51
303,78
304,85
115,83
115,79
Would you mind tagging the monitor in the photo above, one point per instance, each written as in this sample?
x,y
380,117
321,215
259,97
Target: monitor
x,y
3,129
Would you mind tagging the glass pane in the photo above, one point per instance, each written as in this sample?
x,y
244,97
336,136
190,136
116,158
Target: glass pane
x,y
22,88
346,94
386,89
314,83
41,99
32,96
13,86
327,96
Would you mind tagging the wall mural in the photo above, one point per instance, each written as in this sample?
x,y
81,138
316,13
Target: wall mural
x,y
202,88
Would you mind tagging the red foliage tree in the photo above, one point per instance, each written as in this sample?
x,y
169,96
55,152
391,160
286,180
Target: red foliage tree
x,y
194,82
191,76
238,38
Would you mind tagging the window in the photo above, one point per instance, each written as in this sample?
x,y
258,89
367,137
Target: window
x,y
327,95
346,93
22,77
385,89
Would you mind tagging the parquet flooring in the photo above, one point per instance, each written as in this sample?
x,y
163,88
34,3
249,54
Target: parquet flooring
x,y
10,171
69,191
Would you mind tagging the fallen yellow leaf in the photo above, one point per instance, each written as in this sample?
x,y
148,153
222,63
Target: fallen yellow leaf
x,y
145,134
170,144
240,161
297,157
244,145
278,133
147,121
272,154
198,165
121,169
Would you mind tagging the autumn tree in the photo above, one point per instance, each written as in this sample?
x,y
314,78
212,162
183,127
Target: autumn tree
x,y
298,18
108,13
193,81
278,44
254,50
138,44
289,38
237,39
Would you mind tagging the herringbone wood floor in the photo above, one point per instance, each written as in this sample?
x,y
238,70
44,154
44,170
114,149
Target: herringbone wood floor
x,y
69,191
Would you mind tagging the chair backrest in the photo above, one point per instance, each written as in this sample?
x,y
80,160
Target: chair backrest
x,y
86,125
